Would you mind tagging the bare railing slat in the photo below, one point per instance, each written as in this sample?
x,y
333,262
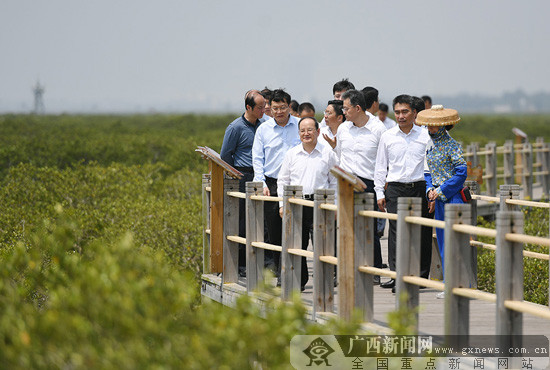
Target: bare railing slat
x,y
417,280
492,247
378,214
236,194
329,207
266,198
267,246
425,221
486,198
378,271
329,259
475,294
300,252
301,202
475,230
236,239
529,308
527,203
528,239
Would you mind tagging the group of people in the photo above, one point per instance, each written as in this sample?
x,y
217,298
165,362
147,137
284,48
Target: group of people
x,y
279,142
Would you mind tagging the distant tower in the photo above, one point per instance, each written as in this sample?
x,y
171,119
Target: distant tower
x,y
38,91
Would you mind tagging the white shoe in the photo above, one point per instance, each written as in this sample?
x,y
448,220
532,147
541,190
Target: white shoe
x,y
440,295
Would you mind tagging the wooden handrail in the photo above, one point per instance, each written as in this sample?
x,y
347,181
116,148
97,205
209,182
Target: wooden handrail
x,y
417,280
329,207
236,239
266,198
329,259
301,202
300,252
425,221
267,246
475,294
378,214
528,239
492,247
486,198
529,307
236,194
527,203
475,230
377,271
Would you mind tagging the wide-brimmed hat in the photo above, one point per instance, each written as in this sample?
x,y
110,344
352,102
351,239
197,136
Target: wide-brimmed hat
x,y
437,116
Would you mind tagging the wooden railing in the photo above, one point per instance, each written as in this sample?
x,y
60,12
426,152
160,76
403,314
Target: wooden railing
x,y
521,163
355,244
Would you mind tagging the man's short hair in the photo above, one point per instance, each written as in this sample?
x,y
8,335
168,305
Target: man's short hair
x,y
305,106
383,107
267,94
279,96
294,105
355,98
371,96
250,98
337,105
419,104
314,120
403,99
427,98
343,85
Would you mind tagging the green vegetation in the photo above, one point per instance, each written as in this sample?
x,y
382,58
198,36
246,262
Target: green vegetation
x,y
101,250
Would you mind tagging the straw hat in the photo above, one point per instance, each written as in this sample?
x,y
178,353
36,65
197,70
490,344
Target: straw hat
x,y
437,116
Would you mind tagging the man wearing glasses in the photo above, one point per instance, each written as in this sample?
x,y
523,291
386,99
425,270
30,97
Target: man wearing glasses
x,y
273,139
308,164
356,145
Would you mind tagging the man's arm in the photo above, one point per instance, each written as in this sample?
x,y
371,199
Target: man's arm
x,y
380,173
258,159
229,145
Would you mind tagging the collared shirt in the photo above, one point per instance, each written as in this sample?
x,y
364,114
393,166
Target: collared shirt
x,y
310,170
400,157
326,130
389,123
357,146
270,146
237,142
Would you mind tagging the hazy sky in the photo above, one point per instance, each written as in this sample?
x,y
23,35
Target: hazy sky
x,y
192,55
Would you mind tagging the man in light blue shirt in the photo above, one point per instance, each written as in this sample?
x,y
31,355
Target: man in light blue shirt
x,y
273,139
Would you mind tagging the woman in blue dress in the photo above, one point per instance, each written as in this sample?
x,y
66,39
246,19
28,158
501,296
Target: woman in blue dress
x,y
446,167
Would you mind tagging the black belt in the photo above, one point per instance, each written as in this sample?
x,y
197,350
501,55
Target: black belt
x,y
244,169
409,184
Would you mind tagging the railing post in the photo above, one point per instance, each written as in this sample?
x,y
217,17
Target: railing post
x,y
474,189
205,224
508,157
508,192
408,252
541,179
458,272
254,233
291,264
346,265
230,227
509,279
473,148
364,229
545,168
323,245
491,168
527,159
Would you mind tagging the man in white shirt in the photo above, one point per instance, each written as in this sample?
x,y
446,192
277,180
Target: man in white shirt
x,y
356,145
308,164
383,116
400,163
273,139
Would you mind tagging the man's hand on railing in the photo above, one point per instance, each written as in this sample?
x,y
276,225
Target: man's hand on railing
x,y
266,191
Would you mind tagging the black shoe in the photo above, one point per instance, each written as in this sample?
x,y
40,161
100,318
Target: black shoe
x,y
393,290
388,284
376,279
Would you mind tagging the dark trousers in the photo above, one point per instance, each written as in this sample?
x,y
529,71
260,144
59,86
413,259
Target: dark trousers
x,y
377,248
248,175
307,233
397,190
273,226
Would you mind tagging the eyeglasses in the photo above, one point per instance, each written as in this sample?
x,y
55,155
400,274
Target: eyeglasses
x,y
327,113
279,109
308,130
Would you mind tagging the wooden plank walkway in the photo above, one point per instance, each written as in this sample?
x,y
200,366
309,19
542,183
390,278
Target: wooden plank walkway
x,y
431,312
